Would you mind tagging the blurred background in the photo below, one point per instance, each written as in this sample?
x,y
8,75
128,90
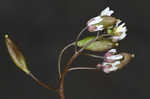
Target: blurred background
x,y
41,28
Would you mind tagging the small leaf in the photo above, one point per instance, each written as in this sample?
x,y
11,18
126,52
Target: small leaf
x,y
16,55
98,46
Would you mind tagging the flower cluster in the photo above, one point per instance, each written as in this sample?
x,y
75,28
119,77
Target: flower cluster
x,y
108,23
111,61
116,30
94,23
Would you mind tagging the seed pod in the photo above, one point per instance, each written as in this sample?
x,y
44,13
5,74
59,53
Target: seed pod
x,y
126,59
98,46
16,55
108,21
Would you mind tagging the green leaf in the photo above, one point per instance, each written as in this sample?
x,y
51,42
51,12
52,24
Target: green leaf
x,y
16,55
98,46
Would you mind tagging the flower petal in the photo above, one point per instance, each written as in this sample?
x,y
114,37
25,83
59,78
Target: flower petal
x,y
107,12
94,21
115,57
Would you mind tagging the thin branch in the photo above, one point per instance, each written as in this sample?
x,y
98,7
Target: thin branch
x,y
41,83
79,37
78,52
75,55
95,56
60,57
61,84
81,68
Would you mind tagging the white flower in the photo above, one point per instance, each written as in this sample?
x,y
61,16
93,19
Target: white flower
x,y
112,61
112,51
94,25
95,20
122,36
99,27
117,23
115,57
107,12
121,29
113,66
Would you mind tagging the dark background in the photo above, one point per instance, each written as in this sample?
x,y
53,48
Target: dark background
x,y
42,28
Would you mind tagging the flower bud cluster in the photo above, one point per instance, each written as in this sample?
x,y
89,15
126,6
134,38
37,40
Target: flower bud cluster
x,y
111,61
115,31
108,23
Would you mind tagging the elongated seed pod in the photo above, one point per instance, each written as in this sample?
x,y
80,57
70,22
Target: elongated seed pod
x,y
127,57
108,21
16,55
98,46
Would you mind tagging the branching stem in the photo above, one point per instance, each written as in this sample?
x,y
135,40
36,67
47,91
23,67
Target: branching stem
x,y
60,57
66,70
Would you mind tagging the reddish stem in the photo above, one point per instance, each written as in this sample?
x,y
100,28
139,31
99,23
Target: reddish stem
x,y
61,83
42,84
66,70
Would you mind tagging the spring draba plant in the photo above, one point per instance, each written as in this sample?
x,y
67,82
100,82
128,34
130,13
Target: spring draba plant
x,y
109,31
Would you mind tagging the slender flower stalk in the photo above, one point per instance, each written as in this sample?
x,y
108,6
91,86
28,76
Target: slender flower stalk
x,y
77,38
82,68
60,57
94,56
